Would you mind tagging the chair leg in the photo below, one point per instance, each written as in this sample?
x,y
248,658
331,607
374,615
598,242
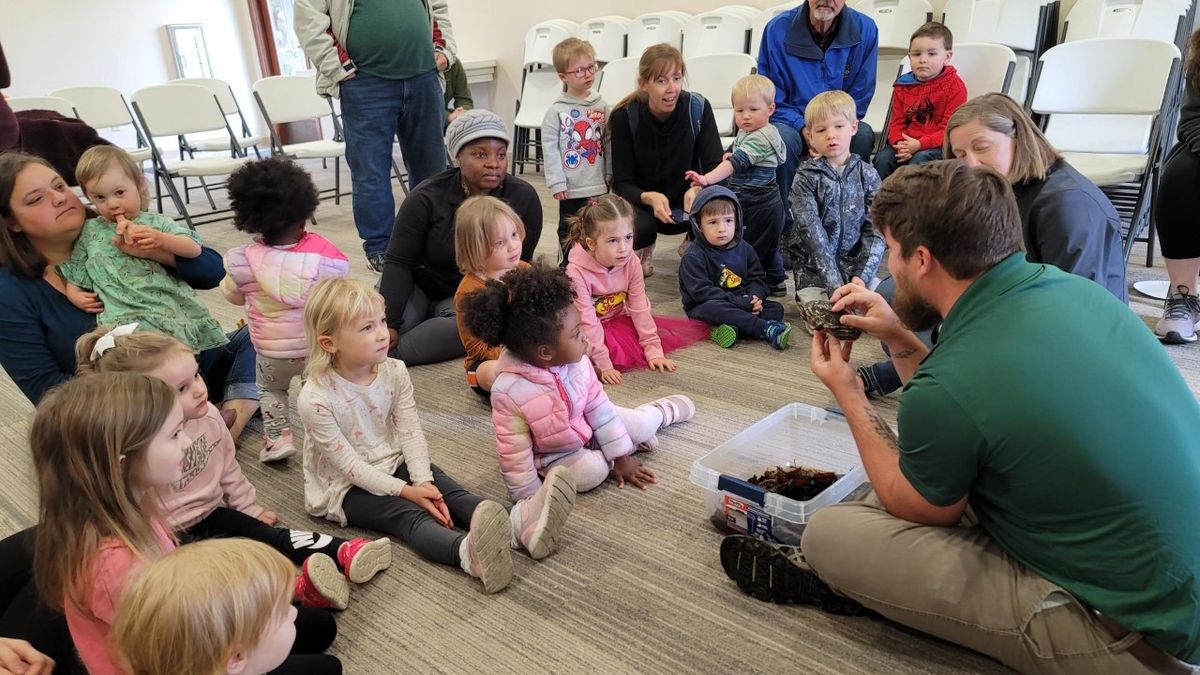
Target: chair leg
x,y
211,203
337,180
158,190
179,204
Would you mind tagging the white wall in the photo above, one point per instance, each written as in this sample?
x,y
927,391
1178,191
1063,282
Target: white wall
x,y
118,43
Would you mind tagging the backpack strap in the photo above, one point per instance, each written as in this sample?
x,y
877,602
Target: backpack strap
x,y
631,111
697,110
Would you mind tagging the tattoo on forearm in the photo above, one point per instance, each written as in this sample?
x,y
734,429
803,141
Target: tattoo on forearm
x,y
904,354
882,428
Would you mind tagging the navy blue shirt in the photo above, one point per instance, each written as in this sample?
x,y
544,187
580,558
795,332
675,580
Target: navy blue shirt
x,y
39,326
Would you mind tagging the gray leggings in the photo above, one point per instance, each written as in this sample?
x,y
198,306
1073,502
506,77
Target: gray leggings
x,y
412,524
428,331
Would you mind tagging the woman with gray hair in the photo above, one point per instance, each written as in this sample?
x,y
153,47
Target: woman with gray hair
x,y
420,274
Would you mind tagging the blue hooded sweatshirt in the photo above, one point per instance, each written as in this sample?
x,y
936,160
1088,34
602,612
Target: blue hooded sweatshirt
x,y
730,273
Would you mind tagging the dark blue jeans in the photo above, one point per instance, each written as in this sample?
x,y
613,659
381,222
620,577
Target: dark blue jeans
x,y
229,370
374,111
861,144
886,163
748,324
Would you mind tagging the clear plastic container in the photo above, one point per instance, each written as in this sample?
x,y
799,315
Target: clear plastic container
x,y
795,435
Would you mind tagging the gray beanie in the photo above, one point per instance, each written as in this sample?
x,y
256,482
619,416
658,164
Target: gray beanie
x,y
473,125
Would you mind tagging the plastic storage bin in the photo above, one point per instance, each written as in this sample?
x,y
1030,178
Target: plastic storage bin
x,y
796,434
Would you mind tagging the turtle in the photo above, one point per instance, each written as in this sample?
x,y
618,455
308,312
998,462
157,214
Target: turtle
x,y
819,315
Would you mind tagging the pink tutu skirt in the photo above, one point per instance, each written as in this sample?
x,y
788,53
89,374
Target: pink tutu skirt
x,y
625,350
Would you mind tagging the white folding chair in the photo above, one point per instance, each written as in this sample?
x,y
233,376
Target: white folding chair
x,y
292,98
712,76
618,78
1020,25
52,103
541,38
653,28
896,21
607,35
720,31
760,24
984,67
539,91
887,69
178,109
1153,19
105,108
1112,130
229,106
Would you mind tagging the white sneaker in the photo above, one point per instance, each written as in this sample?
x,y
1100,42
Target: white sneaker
x,y
537,522
280,449
1180,314
487,550
675,408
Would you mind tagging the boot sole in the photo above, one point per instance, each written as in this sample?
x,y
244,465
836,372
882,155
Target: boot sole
x,y
329,582
763,571
724,335
492,541
1174,338
784,338
560,499
370,560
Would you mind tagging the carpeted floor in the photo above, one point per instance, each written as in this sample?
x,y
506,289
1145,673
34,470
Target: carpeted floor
x,y
636,585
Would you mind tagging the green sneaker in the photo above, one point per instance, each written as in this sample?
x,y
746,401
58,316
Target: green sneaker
x,y
777,333
724,335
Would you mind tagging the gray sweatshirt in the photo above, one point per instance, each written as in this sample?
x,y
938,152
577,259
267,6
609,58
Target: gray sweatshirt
x,y
574,144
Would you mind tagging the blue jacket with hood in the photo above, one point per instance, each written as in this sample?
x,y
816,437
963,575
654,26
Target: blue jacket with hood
x,y
800,70
731,273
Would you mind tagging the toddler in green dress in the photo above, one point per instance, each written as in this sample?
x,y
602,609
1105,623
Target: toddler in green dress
x,y
128,287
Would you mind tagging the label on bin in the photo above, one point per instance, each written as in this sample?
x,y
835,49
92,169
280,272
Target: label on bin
x,y
746,517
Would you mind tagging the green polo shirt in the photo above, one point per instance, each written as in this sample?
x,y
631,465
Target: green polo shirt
x,y
392,39
1050,405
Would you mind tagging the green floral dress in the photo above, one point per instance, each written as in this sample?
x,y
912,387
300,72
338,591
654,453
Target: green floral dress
x,y
135,289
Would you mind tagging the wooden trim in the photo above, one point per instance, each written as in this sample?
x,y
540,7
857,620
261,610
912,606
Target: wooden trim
x,y
264,39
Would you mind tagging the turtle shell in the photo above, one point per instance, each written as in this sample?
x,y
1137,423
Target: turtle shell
x,y
819,315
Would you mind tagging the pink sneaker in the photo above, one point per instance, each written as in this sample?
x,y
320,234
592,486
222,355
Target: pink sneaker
x,y
321,585
279,449
363,559
488,547
537,522
675,408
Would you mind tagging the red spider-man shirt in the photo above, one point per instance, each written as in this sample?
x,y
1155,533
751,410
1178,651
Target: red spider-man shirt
x,y
921,109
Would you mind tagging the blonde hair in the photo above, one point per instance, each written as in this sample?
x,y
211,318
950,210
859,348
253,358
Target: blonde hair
x,y
1032,153
475,225
752,86
567,50
656,61
99,158
585,224
333,304
86,436
829,104
133,353
193,609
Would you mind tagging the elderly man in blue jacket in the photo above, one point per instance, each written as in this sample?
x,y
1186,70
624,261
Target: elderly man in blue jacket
x,y
819,46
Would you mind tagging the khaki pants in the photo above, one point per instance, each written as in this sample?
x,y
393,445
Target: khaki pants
x,y
957,584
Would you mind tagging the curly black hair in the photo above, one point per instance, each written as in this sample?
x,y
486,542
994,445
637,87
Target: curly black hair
x,y
271,196
522,310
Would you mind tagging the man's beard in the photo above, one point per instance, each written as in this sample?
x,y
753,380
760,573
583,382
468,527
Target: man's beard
x,y
823,13
915,313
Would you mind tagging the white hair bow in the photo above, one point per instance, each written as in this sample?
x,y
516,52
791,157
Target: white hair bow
x,y
110,339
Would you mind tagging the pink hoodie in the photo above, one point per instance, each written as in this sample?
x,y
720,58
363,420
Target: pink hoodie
x,y
276,281
602,293
544,414
211,475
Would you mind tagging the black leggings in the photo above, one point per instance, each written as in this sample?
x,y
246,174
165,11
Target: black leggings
x,y
646,227
23,615
295,544
1177,206
315,631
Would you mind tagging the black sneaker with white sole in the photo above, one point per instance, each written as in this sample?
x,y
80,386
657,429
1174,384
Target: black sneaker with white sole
x,y
774,573
375,262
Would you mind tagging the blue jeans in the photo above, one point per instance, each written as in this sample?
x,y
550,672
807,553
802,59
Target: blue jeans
x,y
374,111
229,370
886,163
861,144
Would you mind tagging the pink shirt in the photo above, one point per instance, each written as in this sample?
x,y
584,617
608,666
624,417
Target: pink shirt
x,y
212,476
603,293
112,569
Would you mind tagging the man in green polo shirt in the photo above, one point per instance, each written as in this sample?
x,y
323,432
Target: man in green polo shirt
x,y
1050,410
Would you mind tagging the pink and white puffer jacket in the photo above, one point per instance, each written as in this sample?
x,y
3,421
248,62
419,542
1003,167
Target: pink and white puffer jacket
x,y
273,283
544,414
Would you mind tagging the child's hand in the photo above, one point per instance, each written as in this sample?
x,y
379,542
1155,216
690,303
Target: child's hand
x,y
560,195
628,469
142,237
663,365
269,518
428,497
695,178
725,157
610,376
755,304
88,302
906,147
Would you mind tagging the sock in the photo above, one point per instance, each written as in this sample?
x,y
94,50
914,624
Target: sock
x,y
464,560
514,520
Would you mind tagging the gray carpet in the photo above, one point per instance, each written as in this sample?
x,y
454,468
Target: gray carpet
x,y
636,585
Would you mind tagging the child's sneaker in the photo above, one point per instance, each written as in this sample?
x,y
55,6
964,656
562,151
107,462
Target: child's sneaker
x,y
675,408
779,290
279,449
646,255
1178,322
777,333
487,550
363,559
724,335
537,522
321,585
648,445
